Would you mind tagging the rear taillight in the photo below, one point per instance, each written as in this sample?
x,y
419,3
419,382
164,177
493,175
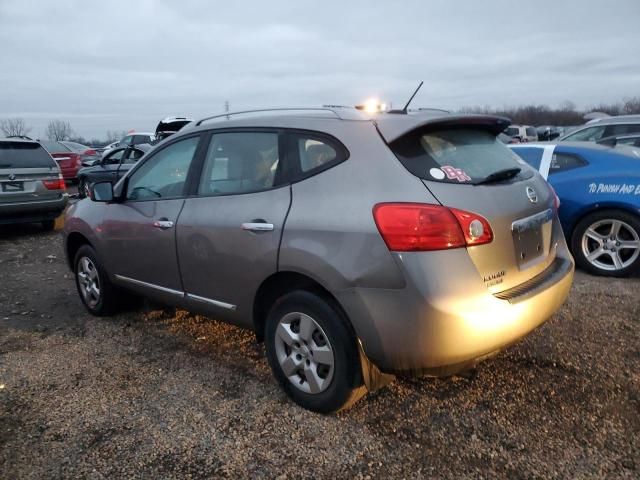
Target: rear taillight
x,y
57,184
476,228
91,152
410,227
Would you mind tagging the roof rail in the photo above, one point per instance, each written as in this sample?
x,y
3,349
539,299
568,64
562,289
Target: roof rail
x,y
333,109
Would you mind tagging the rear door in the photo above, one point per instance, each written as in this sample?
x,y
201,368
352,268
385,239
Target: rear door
x,y
455,165
229,232
139,233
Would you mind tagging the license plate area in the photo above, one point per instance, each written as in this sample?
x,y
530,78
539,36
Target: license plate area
x,y
532,238
12,186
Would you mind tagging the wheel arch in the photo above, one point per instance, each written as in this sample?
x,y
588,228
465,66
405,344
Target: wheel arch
x,y
73,242
281,283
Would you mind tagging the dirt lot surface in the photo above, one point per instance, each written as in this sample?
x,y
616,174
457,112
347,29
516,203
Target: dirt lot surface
x,y
163,395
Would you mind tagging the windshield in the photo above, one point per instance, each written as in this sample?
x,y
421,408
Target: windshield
x,y
454,156
24,155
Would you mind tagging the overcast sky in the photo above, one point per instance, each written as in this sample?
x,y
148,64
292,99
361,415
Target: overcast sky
x,y
120,65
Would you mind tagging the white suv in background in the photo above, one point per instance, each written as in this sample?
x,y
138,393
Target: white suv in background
x,y
604,127
524,133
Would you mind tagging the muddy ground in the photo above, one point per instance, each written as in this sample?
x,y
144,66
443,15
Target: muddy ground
x,y
165,395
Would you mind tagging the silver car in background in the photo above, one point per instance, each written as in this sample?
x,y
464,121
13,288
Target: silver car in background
x,y
356,247
31,186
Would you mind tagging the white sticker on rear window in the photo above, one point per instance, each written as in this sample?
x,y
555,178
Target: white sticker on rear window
x,y
437,173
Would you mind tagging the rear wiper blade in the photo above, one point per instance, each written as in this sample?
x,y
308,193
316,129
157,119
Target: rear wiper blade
x,y
499,175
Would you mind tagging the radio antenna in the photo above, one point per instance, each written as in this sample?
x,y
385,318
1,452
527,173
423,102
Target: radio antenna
x,y
406,107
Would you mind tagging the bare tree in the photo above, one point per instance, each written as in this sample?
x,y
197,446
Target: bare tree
x,y
58,130
14,127
114,136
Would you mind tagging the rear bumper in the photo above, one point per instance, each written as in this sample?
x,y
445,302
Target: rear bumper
x,y
28,212
439,326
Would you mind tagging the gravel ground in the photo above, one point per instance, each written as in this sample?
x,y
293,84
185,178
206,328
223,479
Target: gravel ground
x,y
165,395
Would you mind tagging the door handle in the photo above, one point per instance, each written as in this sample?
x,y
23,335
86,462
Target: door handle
x,y
257,226
163,224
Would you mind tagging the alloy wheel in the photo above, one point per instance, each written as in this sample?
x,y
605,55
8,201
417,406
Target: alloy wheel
x,y
610,244
89,281
304,352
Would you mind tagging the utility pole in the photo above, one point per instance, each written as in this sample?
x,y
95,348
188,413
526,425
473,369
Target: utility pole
x,y
226,107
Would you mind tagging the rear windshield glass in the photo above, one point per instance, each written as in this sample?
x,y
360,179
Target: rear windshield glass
x,y
454,156
24,155
54,147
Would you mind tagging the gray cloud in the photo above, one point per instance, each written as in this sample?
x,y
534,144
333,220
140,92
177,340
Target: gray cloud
x,y
121,65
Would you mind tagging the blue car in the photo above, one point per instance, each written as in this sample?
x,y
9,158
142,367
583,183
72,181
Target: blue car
x,y
599,191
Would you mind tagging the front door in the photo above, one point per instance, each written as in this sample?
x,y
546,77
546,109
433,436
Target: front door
x,y
139,232
229,233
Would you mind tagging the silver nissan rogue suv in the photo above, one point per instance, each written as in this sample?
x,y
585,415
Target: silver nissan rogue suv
x,y
355,246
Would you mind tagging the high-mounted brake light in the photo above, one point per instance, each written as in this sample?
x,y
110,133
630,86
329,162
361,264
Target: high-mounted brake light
x,y
57,184
410,227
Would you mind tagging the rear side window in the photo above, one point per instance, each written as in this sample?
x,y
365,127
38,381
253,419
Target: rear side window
x,y
24,155
454,156
240,162
564,161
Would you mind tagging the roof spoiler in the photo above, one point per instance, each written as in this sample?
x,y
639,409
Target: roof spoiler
x,y
393,127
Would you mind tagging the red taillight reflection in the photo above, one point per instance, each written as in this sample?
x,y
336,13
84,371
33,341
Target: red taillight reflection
x,y
57,184
556,199
407,227
91,152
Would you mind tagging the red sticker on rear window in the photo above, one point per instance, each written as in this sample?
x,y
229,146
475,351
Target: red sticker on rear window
x,y
454,173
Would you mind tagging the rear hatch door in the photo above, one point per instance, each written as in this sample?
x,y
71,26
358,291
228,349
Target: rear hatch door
x,y
466,167
23,168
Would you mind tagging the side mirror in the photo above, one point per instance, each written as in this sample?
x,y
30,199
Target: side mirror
x,y
101,192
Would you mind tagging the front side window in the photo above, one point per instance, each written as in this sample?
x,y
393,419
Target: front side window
x,y
113,158
164,174
133,155
126,140
240,162
454,156
590,134
531,132
512,131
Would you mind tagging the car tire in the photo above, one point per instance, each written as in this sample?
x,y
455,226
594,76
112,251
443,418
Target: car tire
x,y
607,243
83,186
105,299
48,225
313,353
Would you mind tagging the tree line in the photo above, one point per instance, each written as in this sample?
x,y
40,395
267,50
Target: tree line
x,y
564,115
